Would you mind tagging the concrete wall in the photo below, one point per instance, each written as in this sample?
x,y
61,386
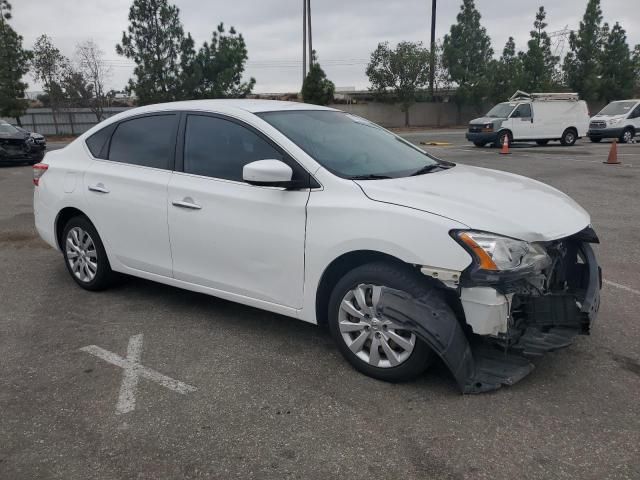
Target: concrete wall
x,y
71,121
420,114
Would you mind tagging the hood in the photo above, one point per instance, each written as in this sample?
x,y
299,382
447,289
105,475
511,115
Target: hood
x,y
14,137
487,200
609,117
483,120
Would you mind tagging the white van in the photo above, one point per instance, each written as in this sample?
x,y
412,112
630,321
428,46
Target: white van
x,y
619,120
538,117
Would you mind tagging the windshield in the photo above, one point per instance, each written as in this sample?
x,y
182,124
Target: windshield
x,y
349,146
617,108
6,129
502,110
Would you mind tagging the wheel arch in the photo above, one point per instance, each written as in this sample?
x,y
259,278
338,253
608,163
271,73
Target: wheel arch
x,y
338,268
63,217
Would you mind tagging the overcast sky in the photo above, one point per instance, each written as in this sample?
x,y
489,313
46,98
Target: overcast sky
x,y
345,32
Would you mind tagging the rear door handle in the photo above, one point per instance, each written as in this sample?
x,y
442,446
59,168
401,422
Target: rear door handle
x,y
186,202
100,188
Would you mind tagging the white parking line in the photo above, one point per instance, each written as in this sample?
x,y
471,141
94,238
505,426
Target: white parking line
x,y
133,370
622,287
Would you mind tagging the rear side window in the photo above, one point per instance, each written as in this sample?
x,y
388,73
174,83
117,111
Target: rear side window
x,y
146,141
218,148
98,142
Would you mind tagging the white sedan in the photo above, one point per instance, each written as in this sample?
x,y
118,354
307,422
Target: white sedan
x,y
317,214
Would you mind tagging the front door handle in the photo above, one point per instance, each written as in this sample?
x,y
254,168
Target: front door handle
x,y
186,202
100,188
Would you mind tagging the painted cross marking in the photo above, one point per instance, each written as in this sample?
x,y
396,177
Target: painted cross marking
x,y
133,370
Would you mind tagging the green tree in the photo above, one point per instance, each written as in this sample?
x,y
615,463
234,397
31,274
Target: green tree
x,y
618,75
402,71
538,63
50,68
506,73
467,55
14,65
582,64
216,70
317,88
636,66
154,41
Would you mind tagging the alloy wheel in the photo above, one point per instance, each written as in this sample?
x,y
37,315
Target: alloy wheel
x,y
375,339
81,254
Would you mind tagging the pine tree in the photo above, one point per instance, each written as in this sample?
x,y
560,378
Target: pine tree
x,y
636,67
404,71
538,63
317,88
154,41
467,55
216,70
506,73
582,64
618,73
14,65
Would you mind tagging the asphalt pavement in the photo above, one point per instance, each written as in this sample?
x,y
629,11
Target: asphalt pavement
x,y
147,381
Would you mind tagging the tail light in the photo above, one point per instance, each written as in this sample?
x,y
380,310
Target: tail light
x,y
38,171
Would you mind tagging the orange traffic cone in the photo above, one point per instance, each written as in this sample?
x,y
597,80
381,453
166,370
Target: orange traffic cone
x,y
613,154
505,146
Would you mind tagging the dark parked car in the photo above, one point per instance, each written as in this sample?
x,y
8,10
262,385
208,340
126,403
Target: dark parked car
x,y
17,146
38,138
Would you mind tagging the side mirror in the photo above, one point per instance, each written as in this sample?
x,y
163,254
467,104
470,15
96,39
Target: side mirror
x,y
268,173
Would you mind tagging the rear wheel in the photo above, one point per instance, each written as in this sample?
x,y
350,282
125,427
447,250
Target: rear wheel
x,y
85,256
569,137
627,135
595,139
372,343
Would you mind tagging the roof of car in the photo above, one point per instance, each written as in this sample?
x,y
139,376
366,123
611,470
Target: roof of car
x,y
253,106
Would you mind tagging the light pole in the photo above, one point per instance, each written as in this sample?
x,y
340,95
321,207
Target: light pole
x,y
304,40
310,36
432,62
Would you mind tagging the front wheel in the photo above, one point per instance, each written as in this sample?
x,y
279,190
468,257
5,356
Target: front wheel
x,y
501,138
569,137
627,135
372,343
479,144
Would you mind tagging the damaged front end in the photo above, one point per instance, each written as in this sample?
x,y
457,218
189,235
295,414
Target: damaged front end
x,y
510,315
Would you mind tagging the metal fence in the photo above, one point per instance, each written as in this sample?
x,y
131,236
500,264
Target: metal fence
x,y
68,121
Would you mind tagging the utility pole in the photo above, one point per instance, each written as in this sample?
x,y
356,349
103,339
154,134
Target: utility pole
x,y
432,63
310,36
304,40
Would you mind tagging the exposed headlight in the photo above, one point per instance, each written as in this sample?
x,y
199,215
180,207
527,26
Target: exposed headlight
x,y
488,127
498,254
615,121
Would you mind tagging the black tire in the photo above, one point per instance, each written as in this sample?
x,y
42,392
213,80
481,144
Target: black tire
x,y
479,144
500,139
595,139
627,135
104,276
542,142
569,137
393,276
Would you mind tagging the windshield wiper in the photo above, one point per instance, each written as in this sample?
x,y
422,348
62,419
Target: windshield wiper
x,y
428,168
369,177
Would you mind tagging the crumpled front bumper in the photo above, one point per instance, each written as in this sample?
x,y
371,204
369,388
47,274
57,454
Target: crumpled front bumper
x,y
538,322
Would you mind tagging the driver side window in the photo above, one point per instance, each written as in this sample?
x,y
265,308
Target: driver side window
x,y
636,112
522,111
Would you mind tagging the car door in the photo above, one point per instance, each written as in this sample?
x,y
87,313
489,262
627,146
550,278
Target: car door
x,y
126,189
226,234
634,118
522,122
